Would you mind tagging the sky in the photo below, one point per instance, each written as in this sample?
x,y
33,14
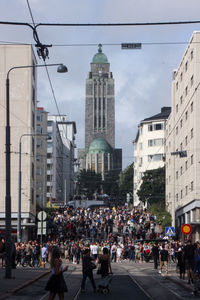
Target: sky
x,y
142,77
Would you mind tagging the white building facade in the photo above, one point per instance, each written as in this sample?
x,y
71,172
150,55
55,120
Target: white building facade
x,y
23,86
183,134
149,148
60,159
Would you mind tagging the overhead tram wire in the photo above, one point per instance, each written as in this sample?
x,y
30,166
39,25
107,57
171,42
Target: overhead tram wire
x,y
103,44
43,52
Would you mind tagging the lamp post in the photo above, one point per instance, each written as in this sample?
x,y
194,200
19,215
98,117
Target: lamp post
x,y
19,235
8,271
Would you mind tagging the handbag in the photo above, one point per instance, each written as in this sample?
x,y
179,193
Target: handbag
x,y
92,265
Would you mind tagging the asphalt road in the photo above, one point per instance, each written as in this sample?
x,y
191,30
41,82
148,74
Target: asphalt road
x,y
130,281
122,287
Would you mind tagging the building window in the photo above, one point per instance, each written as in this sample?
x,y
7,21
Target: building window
x,y
176,130
192,186
186,141
181,123
33,120
186,115
150,127
192,80
181,170
38,171
186,165
192,107
33,94
33,145
181,194
186,91
155,157
140,161
192,133
181,99
181,76
176,108
155,142
177,85
176,197
176,174
32,170
38,157
186,190
186,66
158,126
192,54
192,159
181,147
33,69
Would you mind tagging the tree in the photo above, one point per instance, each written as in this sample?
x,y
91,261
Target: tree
x,y
88,182
162,216
126,181
152,189
111,183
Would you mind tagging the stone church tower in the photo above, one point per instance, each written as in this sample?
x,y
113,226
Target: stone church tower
x,y
100,154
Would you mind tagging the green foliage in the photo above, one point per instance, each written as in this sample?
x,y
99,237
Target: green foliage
x,y
152,189
49,211
126,181
88,182
110,183
163,216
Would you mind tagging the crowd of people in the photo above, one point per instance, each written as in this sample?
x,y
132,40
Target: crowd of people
x,y
120,232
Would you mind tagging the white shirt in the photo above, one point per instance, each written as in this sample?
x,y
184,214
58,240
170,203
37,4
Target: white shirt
x,y
94,249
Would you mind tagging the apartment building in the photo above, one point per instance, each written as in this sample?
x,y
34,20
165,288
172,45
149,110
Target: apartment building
x,y
23,99
60,159
183,142
149,148
41,157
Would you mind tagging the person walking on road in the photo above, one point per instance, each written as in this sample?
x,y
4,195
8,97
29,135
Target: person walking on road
x,y
87,268
155,255
104,261
164,257
56,283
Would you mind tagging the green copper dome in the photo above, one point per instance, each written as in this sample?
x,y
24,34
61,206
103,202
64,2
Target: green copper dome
x,y
100,57
99,145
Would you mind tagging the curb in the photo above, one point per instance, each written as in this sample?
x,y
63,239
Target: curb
x,y
29,282
182,284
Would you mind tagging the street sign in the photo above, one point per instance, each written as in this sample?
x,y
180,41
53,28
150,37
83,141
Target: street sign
x,y
169,231
131,46
42,215
186,229
41,231
42,224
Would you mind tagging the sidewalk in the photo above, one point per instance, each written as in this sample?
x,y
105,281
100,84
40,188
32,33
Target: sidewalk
x,y
21,277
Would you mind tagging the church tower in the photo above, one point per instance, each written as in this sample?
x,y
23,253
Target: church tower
x,y
100,154
100,101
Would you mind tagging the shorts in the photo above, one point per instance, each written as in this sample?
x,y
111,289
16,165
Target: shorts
x,y
189,264
163,263
44,259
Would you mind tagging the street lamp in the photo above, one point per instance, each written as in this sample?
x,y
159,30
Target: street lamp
x,y
19,235
8,269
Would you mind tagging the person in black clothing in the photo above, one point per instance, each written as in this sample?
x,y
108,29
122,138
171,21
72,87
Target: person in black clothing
x,y
104,262
188,256
155,255
164,255
87,270
181,263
